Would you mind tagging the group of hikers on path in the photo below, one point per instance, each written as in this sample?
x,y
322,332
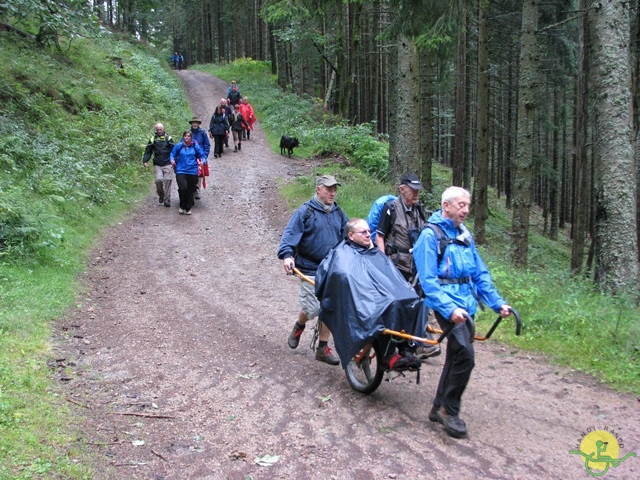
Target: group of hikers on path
x,y
188,159
435,258
430,261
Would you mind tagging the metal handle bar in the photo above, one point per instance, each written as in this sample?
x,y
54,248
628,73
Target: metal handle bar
x,y
387,331
303,276
497,322
470,324
443,335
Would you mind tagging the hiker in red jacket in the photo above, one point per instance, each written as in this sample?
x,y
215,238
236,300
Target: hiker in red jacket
x,y
248,114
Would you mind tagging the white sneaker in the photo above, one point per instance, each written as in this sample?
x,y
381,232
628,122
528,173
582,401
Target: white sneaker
x,y
188,212
181,211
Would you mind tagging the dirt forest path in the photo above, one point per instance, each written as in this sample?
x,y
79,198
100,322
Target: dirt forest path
x,y
180,343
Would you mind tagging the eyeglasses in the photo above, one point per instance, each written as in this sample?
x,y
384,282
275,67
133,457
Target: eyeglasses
x,y
364,232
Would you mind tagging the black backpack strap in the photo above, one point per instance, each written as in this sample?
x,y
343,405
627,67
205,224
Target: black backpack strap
x,y
421,212
442,240
308,213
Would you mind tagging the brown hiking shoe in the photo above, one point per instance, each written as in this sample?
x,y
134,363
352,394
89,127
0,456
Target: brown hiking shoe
x,y
324,354
427,351
294,338
453,424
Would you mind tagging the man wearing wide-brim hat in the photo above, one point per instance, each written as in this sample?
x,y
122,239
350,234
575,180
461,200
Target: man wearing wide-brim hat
x,y
314,229
200,137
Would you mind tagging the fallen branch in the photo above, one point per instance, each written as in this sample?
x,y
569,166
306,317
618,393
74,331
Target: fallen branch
x,y
148,415
76,403
117,442
10,28
158,455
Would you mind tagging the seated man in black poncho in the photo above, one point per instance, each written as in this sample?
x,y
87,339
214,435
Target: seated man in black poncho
x,y
361,293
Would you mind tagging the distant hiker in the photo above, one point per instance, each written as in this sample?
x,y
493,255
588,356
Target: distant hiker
x,y
452,285
231,87
201,138
238,125
314,229
180,62
228,111
159,147
186,156
247,112
218,127
176,60
233,94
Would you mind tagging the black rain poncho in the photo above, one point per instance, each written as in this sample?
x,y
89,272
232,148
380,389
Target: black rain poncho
x,y
361,293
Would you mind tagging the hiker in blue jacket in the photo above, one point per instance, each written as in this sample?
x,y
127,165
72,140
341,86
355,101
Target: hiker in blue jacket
x,y
452,283
185,158
314,229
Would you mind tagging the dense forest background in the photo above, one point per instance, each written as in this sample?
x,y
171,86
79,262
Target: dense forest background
x,y
536,100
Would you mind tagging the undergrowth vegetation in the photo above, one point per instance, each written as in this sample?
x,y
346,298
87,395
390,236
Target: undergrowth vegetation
x,y
564,317
72,132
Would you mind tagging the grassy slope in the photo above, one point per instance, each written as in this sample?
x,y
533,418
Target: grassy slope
x,y
72,133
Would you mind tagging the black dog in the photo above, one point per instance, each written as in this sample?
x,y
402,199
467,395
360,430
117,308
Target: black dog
x,y
289,143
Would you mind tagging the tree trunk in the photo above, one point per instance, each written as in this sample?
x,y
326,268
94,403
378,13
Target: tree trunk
x,y
554,181
526,110
481,209
581,166
403,106
426,121
616,246
457,154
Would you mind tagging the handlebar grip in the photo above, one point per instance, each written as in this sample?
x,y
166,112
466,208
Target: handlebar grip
x,y
518,321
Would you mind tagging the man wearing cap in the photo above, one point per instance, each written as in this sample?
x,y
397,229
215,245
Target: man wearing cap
x,y
314,229
201,138
400,224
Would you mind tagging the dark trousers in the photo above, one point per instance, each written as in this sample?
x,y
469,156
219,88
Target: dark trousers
x,y
458,364
187,185
218,143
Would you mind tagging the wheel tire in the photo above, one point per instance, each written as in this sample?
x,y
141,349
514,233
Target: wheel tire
x,y
365,375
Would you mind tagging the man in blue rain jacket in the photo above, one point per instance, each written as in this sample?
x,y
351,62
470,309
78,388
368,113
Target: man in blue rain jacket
x,y
454,278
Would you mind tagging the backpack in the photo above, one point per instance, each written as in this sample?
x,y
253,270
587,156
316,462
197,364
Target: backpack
x,y
379,206
442,239
373,219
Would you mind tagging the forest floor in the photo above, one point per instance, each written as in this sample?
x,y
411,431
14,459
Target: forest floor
x,y
176,361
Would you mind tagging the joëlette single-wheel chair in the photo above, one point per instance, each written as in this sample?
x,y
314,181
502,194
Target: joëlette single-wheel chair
x,y
366,369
